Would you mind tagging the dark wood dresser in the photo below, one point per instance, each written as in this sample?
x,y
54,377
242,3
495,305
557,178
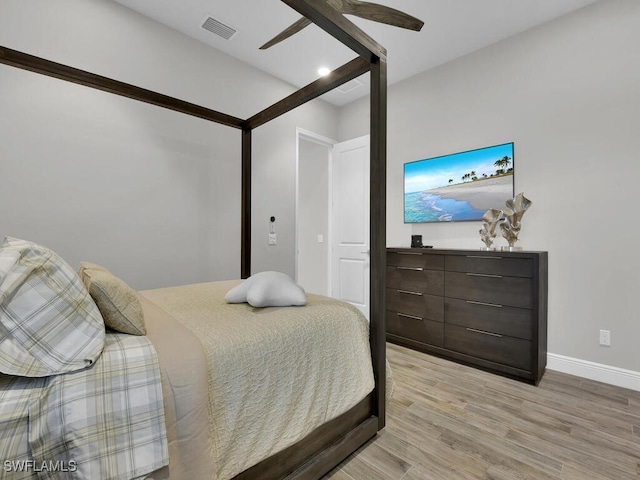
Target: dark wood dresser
x,y
485,309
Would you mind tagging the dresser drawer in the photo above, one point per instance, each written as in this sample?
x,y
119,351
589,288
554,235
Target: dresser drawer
x,y
415,328
514,352
415,259
415,279
496,289
510,321
430,307
490,264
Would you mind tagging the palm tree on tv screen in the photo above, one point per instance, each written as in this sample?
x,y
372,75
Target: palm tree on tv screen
x,y
502,164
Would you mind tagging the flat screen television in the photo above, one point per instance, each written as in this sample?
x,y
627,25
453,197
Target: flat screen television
x,y
458,187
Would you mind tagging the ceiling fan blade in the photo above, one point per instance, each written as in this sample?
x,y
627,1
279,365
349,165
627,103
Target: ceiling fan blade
x,y
382,14
286,33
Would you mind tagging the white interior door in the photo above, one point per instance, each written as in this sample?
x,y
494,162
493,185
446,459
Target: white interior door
x,y
350,265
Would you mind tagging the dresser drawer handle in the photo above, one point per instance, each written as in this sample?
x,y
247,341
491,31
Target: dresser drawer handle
x,y
416,269
485,304
484,333
483,275
409,253
412,317
419,294
484,256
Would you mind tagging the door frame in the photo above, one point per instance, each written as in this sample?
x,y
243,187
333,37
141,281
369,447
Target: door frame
x,y
306,135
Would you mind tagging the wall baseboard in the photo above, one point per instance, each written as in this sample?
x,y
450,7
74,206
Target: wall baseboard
x,y
594,371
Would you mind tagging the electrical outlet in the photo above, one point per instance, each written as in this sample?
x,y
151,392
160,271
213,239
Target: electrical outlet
x,y
605,338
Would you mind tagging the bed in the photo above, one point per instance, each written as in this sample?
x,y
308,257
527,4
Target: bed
x,y
194,381
307,454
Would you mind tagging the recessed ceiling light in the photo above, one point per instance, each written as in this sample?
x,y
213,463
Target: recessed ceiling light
x,y
323,71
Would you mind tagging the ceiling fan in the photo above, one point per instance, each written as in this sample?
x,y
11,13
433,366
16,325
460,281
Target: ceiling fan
x,y
367,10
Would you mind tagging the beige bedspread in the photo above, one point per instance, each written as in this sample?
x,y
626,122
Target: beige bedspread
x,y
184,387
302,365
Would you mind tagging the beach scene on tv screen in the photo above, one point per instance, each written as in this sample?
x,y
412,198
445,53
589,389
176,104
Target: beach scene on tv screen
x,y
458,187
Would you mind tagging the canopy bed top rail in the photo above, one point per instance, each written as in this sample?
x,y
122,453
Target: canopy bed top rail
x,y
339,76
82,77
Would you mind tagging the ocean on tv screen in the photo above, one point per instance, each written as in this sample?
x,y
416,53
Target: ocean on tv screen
x,y
420,207
460,202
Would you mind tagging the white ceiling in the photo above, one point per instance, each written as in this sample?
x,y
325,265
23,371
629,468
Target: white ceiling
x,y
452,28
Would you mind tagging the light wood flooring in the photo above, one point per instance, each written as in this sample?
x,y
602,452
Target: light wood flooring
x,y
447,421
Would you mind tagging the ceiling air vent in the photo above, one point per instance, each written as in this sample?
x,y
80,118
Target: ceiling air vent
x,y
219,28
350,85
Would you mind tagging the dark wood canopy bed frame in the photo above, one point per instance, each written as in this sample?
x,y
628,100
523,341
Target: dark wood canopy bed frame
x,y
332,442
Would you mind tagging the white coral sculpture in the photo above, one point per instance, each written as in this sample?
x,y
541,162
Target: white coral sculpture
x,y
490,221
513,217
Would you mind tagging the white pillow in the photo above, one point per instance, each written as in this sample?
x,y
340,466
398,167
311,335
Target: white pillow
x,y
48,322
268,289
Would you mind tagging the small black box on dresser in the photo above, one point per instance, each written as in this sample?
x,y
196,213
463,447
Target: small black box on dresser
x,y
487,309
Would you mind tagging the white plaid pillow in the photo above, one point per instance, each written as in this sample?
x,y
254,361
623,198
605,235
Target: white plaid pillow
x,y
48,322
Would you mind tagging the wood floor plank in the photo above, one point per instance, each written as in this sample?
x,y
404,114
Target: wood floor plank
x,y
416,448
447,421
570,450
574,417
575,471
611,390
436,469
338,474
509,456
359,469
416,473
384,460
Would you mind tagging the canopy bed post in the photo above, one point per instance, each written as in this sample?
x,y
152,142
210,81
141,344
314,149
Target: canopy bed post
x,y
378,226
375,55
245,242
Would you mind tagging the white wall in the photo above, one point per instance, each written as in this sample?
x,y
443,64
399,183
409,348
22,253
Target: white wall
x,y
567,94
313,216
154,195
